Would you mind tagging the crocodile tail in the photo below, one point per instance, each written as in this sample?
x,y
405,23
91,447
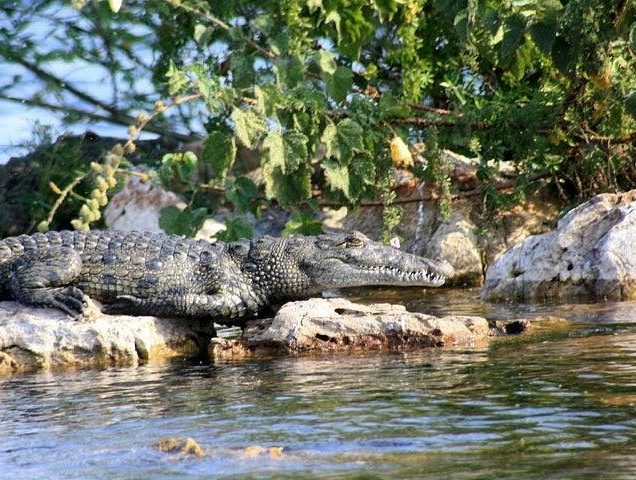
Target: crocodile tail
x,y
5,253
9,248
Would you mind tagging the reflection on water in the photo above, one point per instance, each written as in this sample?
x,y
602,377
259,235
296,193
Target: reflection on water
x,y
556,404
467,302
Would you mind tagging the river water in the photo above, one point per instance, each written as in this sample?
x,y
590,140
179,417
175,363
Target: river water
x,y
556,403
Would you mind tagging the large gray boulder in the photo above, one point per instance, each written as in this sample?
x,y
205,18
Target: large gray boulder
x,y
590,255
338,325
43,338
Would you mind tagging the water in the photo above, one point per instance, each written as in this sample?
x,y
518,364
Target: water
x,y
557,403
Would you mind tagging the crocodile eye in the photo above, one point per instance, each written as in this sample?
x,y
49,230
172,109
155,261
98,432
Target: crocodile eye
x,y
353,242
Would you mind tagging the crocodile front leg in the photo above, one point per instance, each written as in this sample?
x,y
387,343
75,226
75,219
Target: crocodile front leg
x,y
219,305
45,279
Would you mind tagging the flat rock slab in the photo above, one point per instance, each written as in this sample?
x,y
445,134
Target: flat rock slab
x,y
40,338
338,325
590,255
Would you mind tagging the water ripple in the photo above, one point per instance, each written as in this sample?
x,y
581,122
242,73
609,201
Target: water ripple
x,y
554,404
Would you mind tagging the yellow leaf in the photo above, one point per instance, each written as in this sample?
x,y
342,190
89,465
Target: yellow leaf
x,y
400,153
114,5
55,188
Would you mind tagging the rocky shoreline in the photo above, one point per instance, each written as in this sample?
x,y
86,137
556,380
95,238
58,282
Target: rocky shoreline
x,y
42,339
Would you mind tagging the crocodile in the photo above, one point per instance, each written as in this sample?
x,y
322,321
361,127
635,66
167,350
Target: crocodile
x,y
148,273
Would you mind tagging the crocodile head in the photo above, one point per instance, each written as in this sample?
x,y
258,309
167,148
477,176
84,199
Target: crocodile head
x,y
299,265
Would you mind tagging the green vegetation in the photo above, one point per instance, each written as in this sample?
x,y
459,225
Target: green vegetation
x,y
320,88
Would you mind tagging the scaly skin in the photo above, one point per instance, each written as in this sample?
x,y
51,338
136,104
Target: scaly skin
x,y
143,273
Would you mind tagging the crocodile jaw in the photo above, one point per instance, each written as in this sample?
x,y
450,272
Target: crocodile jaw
x,y
374,264
421,272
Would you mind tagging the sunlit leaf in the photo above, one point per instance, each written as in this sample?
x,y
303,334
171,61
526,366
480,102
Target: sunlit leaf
x,y
325,61
248,126
337,176
275,148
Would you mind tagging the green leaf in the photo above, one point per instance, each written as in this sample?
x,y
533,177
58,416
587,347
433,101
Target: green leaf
x,y
177,80
334,17
313,5
275,148
330,140
391,107
295,150
241,192
492,21
235,229
337,177
179,166
208,85
562,54
361,176
325,61
630,103
515,26
289,71
350,139
248,126
302,224
498,36
279,44
287,189
188,164
219,150
632,37
268,98
182,222
543,33
339,84
460,22
202,34
362,169
243,73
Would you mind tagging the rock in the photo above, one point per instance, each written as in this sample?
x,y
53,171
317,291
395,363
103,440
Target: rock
x,y
39,338
590,255
137,206
181,447
336,324
455,239
256,451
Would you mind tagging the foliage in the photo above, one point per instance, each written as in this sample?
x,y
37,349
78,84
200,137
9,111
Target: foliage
x,y
235,229
320,88
302,224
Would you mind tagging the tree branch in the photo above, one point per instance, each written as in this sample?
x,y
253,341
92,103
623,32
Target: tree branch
x,y
126,121
52,79
433,196
438,111
219,23
427,122
593,138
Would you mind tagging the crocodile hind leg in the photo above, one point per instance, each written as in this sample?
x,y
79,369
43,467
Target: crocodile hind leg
x,y
44,279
